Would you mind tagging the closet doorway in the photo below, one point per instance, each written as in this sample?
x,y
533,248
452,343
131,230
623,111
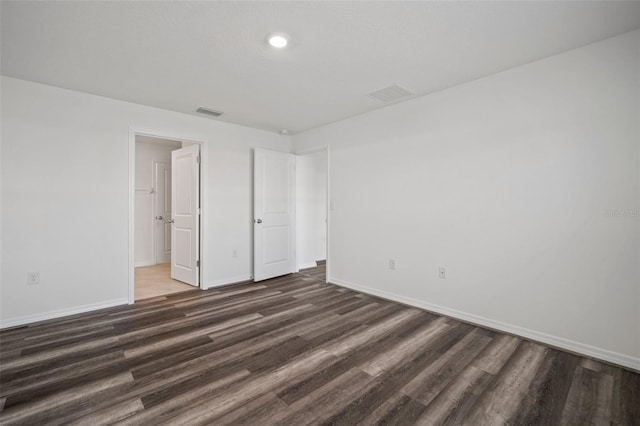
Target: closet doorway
x,y
162,260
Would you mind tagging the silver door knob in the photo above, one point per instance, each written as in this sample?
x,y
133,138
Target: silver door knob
x,y
258,220
170,221
158,217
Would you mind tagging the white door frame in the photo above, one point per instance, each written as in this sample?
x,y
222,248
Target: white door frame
x,y
204,249
313,151
155,213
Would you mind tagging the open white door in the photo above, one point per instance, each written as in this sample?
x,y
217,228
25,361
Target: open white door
x,y
185,206
274,214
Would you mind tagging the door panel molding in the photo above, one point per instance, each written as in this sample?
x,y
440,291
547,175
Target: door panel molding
x,y
161,212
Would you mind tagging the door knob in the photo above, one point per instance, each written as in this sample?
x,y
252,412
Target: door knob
x,y
258,220
170,221
158,217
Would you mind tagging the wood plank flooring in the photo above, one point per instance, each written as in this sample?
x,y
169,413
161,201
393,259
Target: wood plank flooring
x,y
318,273
296,351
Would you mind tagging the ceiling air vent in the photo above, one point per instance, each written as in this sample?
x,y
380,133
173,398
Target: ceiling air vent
x,y
391,93
211,112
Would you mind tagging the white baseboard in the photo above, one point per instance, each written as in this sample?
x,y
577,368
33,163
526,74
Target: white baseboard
x,y
559,342
28,319
227,281
143,263
307,265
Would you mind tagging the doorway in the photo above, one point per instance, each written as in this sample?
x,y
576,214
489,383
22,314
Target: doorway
x,y
166,216
312,213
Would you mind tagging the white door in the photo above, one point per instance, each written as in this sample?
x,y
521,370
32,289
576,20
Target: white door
x,y
162,210
185,205
274,213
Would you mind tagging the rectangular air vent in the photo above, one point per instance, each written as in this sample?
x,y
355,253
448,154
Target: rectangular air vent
x,y
211,112
391,93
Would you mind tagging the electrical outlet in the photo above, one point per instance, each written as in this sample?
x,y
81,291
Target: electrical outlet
x,y
392,264
33,278
442,273
234,253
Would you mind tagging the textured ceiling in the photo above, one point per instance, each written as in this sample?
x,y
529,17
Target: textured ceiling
x,y
181,55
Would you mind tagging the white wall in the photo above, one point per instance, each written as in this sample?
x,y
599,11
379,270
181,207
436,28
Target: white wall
x,y
148,153
505,181
65,194
311,208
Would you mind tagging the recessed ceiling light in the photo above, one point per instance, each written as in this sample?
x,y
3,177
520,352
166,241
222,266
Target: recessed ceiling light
x,y
284,132
278,40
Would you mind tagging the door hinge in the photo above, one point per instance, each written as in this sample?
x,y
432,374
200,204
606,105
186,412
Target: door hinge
x,y
198,159
199,210
197,263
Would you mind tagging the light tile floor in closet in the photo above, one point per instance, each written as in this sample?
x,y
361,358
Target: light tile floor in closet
x,y
152,281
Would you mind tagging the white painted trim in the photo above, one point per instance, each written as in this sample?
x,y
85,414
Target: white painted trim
x,y
328,259
294,216
559,342
313,150
131,219
204,223
233,280
154,211
61,313
204,210
144,263
307,265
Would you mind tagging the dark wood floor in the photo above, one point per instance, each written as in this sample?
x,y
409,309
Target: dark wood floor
x,y
296,351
